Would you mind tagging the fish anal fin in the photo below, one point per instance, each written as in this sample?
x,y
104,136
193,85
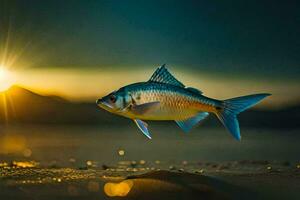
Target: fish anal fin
x,y
143,126
188,124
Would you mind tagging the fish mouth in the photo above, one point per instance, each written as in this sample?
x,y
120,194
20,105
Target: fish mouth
x,y
103,104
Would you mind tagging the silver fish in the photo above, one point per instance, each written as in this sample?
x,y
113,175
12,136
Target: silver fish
x,y
163,97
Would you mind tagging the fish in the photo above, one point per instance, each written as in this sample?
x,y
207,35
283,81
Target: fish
x,y
163,97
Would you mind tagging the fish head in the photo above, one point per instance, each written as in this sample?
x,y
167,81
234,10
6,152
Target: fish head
x,y
114,102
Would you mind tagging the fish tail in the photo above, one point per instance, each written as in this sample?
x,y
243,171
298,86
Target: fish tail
x,y
232,107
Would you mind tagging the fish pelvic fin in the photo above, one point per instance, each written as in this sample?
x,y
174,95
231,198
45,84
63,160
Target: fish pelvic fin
x,y
143,126
188,124
232,107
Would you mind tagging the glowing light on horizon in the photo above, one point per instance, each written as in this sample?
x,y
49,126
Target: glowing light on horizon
x,y
6,78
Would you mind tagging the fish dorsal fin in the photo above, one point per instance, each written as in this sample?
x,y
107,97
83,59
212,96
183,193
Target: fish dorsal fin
x,y
194,90
162,75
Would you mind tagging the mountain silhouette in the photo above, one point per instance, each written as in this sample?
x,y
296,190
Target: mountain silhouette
x,y
19,105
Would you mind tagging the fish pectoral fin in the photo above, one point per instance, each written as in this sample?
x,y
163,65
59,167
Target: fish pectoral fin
x,y
188,124
144,108
143,126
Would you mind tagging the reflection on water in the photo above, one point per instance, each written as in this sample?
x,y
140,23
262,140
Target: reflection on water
x,y
98,146
93,186
12,143
19,164
25,164
118,189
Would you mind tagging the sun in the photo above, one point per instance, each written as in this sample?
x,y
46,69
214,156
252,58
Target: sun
x,y
6,78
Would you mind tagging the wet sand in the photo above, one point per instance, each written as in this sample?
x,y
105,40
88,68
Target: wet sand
x,y
140,180
76,162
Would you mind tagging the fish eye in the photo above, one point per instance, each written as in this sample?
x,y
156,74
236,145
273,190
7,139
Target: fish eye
x,y
113,98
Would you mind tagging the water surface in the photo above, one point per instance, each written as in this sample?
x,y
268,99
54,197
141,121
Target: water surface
x,y
74,145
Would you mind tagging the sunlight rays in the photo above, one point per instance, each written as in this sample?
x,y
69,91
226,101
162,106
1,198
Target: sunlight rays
x,y
7,60
9,56
5,107
11,51
6,78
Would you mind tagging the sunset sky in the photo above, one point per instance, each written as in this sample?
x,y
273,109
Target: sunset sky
x,y
83,49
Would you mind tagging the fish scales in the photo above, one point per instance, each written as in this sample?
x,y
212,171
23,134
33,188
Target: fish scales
x,y
175,102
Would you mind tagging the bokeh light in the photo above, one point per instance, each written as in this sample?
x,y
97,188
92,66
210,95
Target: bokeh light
x,y
121,152
118,189
27,152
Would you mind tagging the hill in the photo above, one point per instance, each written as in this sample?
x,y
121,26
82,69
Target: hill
x,y
19,105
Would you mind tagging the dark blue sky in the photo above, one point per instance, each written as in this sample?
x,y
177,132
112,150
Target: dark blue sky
x,y
260,38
